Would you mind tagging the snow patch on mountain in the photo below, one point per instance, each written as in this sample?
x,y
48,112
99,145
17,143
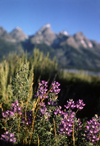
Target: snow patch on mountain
x,y
64,33
83,43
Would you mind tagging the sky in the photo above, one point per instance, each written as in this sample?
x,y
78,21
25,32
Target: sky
x,y
64,15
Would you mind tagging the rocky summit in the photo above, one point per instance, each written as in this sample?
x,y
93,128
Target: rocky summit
x,y
18,34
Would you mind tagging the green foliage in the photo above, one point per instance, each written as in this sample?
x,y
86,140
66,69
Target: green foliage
x,y
21,85
42,69
38,65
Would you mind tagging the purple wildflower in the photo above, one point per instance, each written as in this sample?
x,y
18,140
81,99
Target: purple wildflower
x,y
8,137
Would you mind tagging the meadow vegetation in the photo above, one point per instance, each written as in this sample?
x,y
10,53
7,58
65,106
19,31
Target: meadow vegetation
x,y
31,113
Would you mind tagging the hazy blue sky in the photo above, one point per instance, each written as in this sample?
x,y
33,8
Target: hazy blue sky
x,y
69,15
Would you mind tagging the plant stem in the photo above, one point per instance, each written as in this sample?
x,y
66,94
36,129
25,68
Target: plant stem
x,y
55,132
98,140
73,136
38,141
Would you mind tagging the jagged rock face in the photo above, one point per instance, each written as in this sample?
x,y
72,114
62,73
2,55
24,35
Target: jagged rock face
x,y
60,37
44,35
18,34
1,31
95,44
6,36
70,41
81,40
77,41
79,36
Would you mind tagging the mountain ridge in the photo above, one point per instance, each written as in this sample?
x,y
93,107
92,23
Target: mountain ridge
x,y
71,51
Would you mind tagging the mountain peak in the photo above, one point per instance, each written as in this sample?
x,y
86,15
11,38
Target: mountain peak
x,y
82,40
1,28
47,26
18,28
44,35
63,33
79,35
1,31
18,34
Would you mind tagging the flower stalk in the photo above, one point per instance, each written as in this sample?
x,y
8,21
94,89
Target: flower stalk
x,y
38,140
19,126
55,132
98,140
73,136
